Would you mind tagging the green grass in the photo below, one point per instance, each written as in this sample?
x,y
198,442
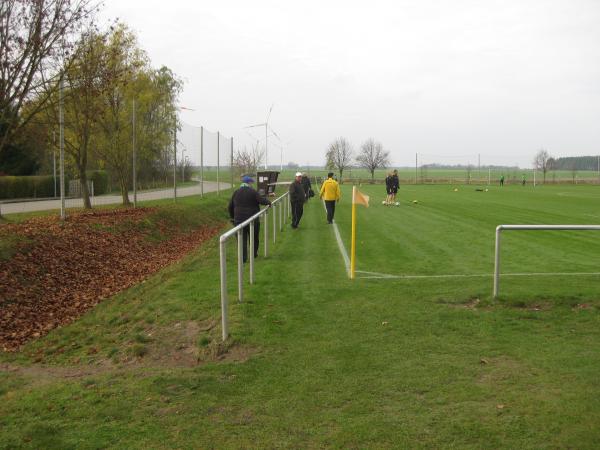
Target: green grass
x,y
333,362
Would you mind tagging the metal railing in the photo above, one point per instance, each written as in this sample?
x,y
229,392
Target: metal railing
x,y
499,229
280,208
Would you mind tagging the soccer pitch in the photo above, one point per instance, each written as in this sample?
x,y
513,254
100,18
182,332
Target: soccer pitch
x,y
449,234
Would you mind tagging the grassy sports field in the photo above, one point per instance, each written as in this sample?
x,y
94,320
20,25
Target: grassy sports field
x,y
318,360
432,176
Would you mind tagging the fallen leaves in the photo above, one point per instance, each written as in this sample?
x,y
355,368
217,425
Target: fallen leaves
x,y
68,267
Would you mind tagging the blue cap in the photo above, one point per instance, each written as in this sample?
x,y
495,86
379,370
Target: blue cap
x,y
246,179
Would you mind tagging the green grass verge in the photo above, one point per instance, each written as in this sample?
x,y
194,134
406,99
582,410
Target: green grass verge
x,y
365,363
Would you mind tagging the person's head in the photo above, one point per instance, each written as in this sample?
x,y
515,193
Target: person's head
x,y
330,175
298,176
247,179
395,172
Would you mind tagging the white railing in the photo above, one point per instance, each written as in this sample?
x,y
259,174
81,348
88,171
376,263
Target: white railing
x,y
499,229
280,208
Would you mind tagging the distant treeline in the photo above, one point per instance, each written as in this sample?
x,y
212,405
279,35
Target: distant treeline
x,y
574,163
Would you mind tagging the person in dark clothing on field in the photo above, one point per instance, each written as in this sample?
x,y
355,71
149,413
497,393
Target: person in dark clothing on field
x,y
244,204
307,187
297,199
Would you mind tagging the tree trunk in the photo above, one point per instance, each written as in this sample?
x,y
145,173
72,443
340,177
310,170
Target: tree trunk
x,y
85,192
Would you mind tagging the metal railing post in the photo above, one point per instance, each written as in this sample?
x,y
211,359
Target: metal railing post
x,y
274,208
223,256
251,255
497,261
281,216
266,227
240,265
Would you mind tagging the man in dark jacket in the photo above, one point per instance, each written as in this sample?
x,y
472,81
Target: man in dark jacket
x,y
297,199
244,204
307,187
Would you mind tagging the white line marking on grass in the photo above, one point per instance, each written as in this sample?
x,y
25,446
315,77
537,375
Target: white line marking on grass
x,y
340,244
380,276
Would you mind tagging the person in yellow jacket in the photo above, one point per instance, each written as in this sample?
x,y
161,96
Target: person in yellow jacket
x,y
330,192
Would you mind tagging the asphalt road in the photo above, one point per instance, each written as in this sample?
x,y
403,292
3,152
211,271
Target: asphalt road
x,y
45,205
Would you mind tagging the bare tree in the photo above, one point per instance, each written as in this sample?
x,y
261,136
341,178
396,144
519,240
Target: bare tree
x,y
247,161
339,155
541,162
372,156
35,37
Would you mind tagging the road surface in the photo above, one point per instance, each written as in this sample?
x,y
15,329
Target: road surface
x,y
45,205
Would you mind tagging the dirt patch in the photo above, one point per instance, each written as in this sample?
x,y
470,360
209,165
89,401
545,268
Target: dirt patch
x,y
499,369
68,267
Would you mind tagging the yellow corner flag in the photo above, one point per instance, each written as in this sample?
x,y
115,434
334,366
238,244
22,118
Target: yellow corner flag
x,y
358,198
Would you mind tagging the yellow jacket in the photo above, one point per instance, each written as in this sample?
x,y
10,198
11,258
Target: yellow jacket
x,y
330,190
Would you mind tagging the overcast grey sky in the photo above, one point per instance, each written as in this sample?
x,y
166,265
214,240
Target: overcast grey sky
x,y
446,79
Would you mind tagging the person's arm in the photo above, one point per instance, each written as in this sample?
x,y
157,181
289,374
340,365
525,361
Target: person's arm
x,y
338,192
262,200
322,190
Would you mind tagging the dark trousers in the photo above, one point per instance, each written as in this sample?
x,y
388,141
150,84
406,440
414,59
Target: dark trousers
x,y
246,238
330,207
297,211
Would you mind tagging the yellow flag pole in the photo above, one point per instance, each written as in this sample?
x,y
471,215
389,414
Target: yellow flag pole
x,y
353,244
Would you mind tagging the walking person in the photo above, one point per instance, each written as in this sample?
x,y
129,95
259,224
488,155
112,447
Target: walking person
x,y
388,189
501,180
308,192
330,192
297,199
245,202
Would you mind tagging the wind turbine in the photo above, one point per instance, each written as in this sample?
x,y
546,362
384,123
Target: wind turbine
x,y
281,145
266,125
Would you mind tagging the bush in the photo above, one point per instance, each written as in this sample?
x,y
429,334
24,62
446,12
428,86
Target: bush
x,y
100,179
26,187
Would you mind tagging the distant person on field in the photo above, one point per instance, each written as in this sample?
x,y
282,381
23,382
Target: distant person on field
x,y
501,180
330,192
523,181
244,203
388,188
297,199
394,185
307,187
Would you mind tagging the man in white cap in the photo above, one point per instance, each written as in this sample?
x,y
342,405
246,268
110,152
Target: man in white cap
x,y
297,199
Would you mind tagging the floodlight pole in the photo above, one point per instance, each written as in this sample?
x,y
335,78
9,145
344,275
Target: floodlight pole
x,y
61,119
133,162
201,161
175,161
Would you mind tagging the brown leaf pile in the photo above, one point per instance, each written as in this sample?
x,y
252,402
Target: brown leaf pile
x,y
65,268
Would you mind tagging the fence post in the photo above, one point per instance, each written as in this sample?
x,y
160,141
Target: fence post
x,y
266,227
223,255
240,265
274,208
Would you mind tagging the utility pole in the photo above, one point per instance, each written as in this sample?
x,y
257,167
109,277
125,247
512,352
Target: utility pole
x,y
479,166
218,161
61,119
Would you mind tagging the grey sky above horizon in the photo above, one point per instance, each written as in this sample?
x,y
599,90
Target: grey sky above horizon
x,y
449,80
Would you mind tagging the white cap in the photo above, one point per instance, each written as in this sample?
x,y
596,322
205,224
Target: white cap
x,y
298,174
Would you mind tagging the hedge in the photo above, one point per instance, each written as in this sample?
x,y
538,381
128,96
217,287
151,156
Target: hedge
x,y
42,186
